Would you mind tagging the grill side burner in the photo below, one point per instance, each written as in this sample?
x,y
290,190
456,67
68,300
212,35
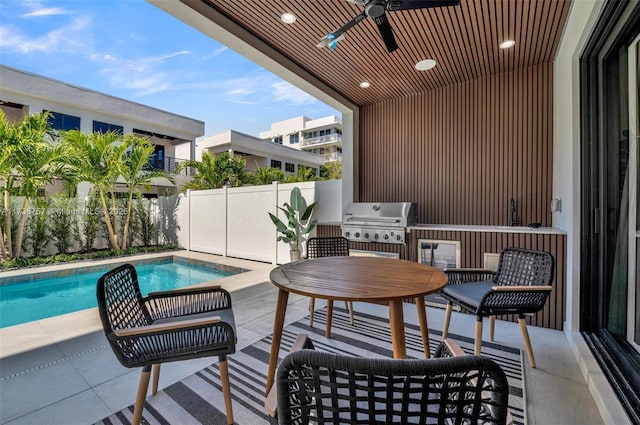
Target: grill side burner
x,y
384,222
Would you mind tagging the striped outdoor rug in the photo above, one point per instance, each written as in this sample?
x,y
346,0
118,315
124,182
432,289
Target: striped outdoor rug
x,y
197,399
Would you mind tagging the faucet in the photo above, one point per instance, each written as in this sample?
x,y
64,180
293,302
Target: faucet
x,y
512,213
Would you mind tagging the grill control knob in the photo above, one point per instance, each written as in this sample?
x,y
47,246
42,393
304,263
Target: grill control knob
x,y
357,234
347,234
376,236
398,237
366,236
386,237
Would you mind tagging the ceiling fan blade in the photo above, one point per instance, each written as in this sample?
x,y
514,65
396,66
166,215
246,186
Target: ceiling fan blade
x,y
386,32
335,36
394,5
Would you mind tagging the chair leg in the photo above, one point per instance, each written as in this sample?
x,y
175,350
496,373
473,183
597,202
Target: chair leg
x,y
478,342
143,385
447,319
349,305
527,342
492,325
327,332
226,388
155,373
312,309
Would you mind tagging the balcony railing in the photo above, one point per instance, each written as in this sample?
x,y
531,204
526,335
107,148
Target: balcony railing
x,y
329,138
169,163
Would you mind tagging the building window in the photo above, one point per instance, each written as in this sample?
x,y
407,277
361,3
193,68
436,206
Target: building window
x,y
289,167
60,121
277,140
276,164
103,127
294,138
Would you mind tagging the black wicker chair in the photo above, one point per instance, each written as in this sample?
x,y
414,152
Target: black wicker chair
x,y
323,388
165,327
332,246
520,285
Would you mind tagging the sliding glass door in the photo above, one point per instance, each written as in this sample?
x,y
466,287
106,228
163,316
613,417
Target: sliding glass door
x,y
609,264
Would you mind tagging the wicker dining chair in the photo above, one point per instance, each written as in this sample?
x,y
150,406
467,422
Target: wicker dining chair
x,y
323,388
520,285
164,327
330,246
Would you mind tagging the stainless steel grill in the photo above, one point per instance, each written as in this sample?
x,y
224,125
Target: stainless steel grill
x,y
385,222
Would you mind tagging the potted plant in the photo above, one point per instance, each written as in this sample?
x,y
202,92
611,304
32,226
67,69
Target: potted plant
x,y
299,223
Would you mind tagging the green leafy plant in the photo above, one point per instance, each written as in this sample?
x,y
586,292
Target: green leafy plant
x,y
144,220
299,223
37,234
91,221
63,222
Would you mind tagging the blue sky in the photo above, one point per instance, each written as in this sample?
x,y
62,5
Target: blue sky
x,y
135,51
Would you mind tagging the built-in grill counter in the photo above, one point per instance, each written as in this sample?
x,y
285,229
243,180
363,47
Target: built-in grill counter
x,y
472,246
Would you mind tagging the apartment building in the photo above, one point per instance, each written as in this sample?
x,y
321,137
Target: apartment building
x,y
322,136
78,108
258,152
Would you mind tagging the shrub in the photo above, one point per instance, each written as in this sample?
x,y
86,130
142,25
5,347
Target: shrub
x,y
63,222
37,235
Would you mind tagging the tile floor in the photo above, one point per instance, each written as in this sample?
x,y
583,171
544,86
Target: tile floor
x,y
61,371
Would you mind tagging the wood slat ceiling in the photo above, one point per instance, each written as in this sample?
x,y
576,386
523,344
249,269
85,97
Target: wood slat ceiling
x,y
463,40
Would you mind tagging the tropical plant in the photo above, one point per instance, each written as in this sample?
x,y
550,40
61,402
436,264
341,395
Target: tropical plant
x,y
136,173
304,174
30,163
213,171
63,222
37,235
144,221
101,159
91,220
331,170
299,223
268,175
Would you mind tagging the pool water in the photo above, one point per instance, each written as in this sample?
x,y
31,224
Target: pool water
x,y
38,299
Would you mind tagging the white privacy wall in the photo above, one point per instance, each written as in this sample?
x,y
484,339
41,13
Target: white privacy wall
x,y
207,221
235,222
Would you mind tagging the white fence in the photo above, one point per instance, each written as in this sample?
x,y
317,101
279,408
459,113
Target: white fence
x,y
235,222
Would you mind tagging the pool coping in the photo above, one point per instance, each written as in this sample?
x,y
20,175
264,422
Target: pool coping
x,y
58,270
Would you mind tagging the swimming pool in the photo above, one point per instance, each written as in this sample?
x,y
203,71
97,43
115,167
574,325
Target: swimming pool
x,y
52,295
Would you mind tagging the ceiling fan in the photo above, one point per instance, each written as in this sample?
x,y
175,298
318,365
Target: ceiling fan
x,y
377,9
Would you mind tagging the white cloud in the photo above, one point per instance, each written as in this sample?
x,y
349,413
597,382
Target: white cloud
x,y
50,11
67,38
142,75
285,92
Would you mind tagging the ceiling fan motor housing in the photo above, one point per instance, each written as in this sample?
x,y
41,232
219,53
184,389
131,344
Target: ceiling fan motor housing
x,y
375,8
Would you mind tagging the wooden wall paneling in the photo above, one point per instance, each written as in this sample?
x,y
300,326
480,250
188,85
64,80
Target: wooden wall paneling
x,y
478,144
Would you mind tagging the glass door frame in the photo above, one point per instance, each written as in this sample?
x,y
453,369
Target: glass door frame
x,y
633,310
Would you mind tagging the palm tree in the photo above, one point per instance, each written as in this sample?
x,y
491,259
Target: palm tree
x,y
31,164
136,174
99,158
268,175
304,174
213,171
7,147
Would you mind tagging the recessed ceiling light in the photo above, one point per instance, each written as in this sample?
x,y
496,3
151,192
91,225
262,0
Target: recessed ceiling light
x,y
365,84
288,18
425,64
507,44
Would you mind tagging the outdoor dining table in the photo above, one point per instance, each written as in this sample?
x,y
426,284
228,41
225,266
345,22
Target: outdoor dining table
x,y
367,279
